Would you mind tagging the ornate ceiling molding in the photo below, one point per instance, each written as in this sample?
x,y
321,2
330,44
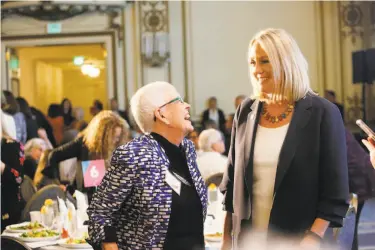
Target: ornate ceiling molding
x,y
58,11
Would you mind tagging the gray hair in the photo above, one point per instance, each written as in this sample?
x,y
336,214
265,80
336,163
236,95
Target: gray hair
x,y
146,100
207,138
78,113
34,143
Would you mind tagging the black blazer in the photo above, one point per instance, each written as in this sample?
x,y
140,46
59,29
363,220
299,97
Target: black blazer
x,y
205,118
312,173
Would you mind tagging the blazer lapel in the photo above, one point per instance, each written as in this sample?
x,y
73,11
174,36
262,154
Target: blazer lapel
x,y
198,182
249,139
300,119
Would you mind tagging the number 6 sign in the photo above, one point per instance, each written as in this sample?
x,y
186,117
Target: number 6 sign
x,y
93,172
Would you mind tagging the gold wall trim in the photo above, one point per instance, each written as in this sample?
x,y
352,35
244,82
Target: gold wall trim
x,y
140,23
323,48
169,64
184,48
114,65
342,84
125,62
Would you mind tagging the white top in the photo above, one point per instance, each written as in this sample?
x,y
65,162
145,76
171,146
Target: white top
x,y
8,124
214,115
267,148
211,163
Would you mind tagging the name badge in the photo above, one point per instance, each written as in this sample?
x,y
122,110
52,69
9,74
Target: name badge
x,y
173,182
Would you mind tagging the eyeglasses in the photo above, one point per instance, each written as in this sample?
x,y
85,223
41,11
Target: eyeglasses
x,y
175,99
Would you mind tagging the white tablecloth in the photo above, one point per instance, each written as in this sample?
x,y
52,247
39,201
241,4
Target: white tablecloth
x,y
43,245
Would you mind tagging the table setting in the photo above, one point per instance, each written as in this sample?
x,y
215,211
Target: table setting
x,y
57,226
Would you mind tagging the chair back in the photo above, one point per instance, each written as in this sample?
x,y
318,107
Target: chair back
x,y
37,200
11,243
214,179
27,188
345,235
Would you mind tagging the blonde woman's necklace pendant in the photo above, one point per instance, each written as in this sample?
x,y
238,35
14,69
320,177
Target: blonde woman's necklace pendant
x,y
277,118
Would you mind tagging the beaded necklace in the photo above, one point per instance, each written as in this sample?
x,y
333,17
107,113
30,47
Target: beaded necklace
x,y
277,118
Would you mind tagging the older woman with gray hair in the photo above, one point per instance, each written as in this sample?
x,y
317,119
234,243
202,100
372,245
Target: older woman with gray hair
x,y
210,159
152,196
34,149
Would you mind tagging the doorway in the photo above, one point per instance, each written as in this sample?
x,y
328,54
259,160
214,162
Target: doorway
x,y
48,74
51,68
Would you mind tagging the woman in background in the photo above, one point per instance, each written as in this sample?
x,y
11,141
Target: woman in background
x,y
31,123
12,158
13,109
103,135
56,119
67,110
41,180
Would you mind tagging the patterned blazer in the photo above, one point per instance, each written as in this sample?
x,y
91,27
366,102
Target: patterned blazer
x,y
134,198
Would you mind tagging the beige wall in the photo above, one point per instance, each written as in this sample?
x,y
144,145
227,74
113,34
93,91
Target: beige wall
x,y
46,76
82,90
48,86
217,36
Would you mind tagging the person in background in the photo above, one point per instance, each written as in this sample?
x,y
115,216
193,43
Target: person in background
x,y
193,136
370,145
12,159
210,159
361,177
210,124
228,133
96,107
34,149
7,121
31,123
13,109
44,124
67,109
215,114
105,132
122,113
79,123
153,196
287,175
237,102
56,119
40,180
330,95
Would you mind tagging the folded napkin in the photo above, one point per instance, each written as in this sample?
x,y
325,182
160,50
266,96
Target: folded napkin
x,y
82,206
63,219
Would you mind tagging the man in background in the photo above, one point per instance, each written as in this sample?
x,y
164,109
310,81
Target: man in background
x,y
330,95
122,113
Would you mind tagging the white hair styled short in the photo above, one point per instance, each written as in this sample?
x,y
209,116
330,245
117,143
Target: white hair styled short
x,y
146,100
34,143
290,68
207,138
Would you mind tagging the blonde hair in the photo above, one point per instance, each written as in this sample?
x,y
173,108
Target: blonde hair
x,y
290,68
98,136
41,166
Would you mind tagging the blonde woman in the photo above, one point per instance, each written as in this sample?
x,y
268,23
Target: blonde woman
x,y
103,135
41,180
287,173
